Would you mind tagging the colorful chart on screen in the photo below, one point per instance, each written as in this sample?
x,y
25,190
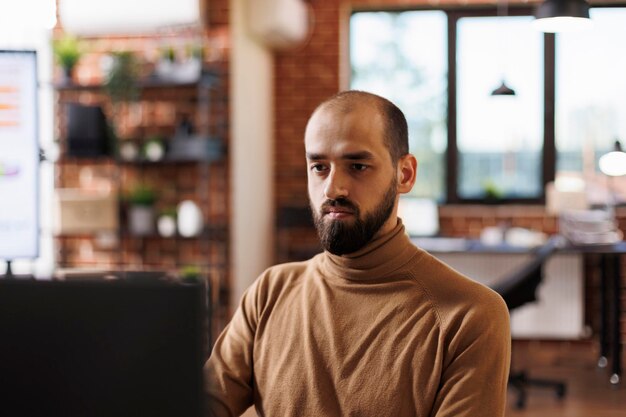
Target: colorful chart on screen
x,y
19,155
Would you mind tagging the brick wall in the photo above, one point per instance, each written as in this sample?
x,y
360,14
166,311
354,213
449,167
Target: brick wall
x,y
306,76
157,112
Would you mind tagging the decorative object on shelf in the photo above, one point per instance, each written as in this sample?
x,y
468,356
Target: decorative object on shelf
x,y
191,274
187,146
555,16
164,67
67,52
122,80
154,149
190,220
128,150
78,211
88,134
141,201
186,70
166,223
195,148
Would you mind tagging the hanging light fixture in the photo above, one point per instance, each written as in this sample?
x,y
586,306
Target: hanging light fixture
x,y
614,163
561,15
503,90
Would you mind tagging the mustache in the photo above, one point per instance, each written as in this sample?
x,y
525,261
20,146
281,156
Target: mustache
x,y
339,203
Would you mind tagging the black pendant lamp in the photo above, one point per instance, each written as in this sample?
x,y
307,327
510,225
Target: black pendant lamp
x,y
561,15
503,90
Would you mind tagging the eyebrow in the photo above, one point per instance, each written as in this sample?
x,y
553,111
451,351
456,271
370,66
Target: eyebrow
x,y
351,156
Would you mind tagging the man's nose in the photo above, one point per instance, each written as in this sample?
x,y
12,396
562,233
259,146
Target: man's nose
x,y
336,185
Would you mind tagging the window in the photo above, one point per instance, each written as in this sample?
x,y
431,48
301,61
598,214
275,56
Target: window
x,y
439,67
590,86
402,56
499,138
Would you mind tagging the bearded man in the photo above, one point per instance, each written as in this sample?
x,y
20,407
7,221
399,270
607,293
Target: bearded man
x,y
373,326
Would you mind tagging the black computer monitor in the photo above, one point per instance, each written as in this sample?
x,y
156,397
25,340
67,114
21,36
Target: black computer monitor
x,y
101,349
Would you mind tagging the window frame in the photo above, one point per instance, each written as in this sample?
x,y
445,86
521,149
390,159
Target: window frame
x,y
548,153
452,152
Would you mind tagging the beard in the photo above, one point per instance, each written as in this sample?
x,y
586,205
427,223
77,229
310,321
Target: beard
x,y
340,237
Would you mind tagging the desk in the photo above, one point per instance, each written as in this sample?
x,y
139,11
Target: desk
x,y
609,295
610,303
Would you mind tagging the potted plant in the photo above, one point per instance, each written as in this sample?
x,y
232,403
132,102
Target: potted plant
x,y
492,193
191,274
67,52
190,68
122,81
166,64
141,201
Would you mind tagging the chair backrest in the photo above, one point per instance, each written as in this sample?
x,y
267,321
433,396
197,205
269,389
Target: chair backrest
x,y
520,287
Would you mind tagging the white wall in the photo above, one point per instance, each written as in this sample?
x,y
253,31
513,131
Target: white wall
x,y
251,152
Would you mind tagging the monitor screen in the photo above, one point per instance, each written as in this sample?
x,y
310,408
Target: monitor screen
x,y
19,155
419,215
96,349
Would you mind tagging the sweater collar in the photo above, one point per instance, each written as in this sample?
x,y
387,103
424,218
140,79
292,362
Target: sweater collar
x,y
378,260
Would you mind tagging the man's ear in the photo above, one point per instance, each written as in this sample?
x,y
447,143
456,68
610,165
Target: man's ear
x,y
407,171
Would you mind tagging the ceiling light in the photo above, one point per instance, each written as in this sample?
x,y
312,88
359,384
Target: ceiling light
x,y
562,15
503,90
614,163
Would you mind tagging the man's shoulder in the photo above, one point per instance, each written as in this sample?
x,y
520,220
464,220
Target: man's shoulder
x,y
288,269
455,294
285,274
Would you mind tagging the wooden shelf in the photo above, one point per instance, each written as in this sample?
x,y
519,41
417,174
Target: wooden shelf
x,y
207,79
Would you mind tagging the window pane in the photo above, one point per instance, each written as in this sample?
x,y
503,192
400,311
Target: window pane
x,y
590,87
500,138
402,56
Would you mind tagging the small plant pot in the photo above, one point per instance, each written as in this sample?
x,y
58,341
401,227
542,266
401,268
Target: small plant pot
x,y
141,220
67,75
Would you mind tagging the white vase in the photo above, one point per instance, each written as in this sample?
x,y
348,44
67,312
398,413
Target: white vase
x,y
190,222
166,225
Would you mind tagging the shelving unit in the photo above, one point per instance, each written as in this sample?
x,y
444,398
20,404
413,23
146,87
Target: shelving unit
x,y
202,179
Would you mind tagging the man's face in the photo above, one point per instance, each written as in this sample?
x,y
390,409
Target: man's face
x,y
352,181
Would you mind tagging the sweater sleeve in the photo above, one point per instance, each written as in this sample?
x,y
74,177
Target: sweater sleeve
x,y
229,370
476,370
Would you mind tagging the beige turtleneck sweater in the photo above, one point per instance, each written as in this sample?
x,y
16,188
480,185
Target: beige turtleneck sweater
x,y
386,331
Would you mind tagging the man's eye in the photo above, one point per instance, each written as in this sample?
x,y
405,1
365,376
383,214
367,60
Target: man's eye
x,y
359,167
318,168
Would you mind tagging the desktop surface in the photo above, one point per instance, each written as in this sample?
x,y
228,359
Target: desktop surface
x,y
100,349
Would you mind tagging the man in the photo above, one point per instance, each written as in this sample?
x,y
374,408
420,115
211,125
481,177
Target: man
x,y
373,326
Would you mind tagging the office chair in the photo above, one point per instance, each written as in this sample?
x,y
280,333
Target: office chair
x,y
517,289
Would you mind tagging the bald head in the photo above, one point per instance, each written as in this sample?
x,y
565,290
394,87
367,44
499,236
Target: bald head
x,y
395,127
